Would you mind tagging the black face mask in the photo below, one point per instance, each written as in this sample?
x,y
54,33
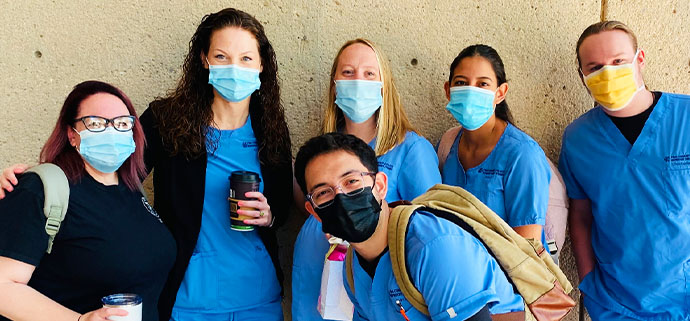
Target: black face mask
x,y
352,218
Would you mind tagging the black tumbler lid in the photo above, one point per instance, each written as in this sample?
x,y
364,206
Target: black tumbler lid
x,y
244,176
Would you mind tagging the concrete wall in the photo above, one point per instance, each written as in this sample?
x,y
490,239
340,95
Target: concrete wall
x,y
46,47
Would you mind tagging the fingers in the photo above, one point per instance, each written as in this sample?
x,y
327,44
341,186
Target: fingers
x,y
18,169
260,197
261,220
261,210
114,311
9,178
102,314
5,186
253,204
251,213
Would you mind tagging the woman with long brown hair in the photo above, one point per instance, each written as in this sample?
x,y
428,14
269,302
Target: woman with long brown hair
x,y
224,115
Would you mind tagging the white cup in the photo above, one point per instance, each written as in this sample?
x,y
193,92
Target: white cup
x,y
131,303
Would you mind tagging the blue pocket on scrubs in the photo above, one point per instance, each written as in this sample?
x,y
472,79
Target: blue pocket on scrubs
x,y
199,289
677,184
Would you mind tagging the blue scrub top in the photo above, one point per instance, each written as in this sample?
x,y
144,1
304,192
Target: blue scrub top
x,y
513,181
412,168
432,245
229,270
640,198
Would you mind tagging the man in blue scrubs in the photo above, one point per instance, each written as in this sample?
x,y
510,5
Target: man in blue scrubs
x,y
411,168
339,174
626,165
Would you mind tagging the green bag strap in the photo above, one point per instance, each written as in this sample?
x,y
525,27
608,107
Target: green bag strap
x,y
348,270
56,192
397,229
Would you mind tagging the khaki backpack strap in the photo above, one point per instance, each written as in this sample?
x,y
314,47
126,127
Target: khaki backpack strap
x,y
542,285
348,270
56,193
397,229
445,145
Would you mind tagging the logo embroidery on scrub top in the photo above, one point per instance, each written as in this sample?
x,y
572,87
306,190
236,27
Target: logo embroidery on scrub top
x,y
386,166
249,144
492,172
396,294
678,160
150,209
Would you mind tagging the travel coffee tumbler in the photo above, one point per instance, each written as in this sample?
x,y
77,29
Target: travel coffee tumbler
x,y
241,182
131,303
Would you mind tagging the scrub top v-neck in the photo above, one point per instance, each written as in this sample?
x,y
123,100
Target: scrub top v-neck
x,y
229,270
513,181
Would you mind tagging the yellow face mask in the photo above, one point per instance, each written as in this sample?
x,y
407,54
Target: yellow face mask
x,y
613,87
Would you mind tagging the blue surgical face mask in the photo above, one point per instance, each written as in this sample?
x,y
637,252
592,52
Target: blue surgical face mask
x,y
107,150
471,106
358,99
232,82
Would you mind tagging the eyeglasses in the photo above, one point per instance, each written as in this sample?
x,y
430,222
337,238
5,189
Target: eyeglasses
x,y
351,185
99,124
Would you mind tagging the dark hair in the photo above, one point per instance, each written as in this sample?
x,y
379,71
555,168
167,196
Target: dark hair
x,y
490,54
333,142
185,114
59,151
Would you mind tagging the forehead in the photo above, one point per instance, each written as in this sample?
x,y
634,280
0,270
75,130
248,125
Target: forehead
x,y
233,38
606,44
358,54
329,168
473,67
102,104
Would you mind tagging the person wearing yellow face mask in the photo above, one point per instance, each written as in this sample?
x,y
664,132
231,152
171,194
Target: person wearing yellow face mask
x,y
626,166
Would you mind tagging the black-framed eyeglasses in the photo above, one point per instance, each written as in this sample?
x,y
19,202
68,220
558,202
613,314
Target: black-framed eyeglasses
x,y
99,124
351,185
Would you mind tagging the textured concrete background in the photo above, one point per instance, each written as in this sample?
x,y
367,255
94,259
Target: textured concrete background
x,y
46,47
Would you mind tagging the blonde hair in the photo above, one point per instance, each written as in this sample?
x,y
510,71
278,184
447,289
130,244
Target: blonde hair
x,y
600,27
392,123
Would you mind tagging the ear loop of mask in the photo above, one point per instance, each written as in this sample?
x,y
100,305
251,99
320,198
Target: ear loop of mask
x,y
75,146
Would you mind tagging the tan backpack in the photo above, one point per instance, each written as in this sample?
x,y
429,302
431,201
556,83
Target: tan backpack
x,y
557,211
526,263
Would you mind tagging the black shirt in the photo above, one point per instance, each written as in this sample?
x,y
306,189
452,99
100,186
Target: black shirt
x,y
111,241
631,127
370,267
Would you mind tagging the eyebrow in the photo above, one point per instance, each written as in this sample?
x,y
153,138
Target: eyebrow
x,y
461,76
618,55
361,67
225,53
341,176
